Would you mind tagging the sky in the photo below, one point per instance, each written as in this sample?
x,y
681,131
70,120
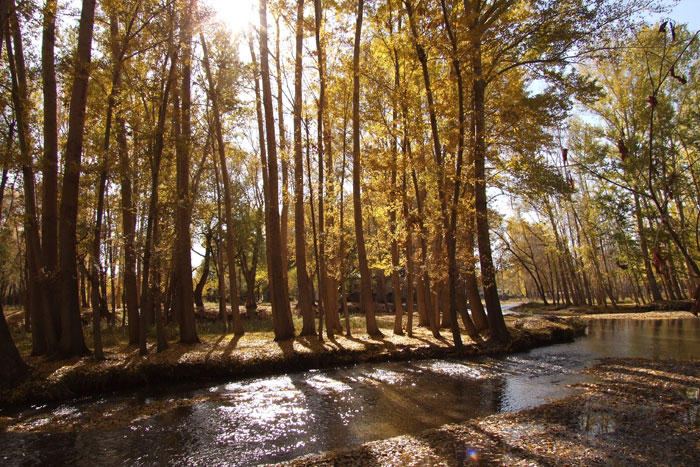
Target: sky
x,y
687,11
237,14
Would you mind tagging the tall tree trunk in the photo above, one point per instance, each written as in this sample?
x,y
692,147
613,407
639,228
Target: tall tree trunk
x,y
228,208
128,208
365,278
95,298
72,341
284,159
321,122
497,324
303,280
281,312
263,164
49,185
395,282
44,334
341,244
220,266
146,299
314,232
183,210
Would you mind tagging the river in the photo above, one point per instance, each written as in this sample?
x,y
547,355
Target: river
x,y
277,418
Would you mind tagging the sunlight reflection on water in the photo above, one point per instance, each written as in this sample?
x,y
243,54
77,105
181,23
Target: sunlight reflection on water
x,y
278,418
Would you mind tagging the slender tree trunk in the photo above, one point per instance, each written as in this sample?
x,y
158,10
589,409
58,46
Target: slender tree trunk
x,y
497,325
303,281
183,210
395,282
72,341
365,278
49,185
281,312
321,122
221,267
263,164
226,179
146,300
44,334
284,159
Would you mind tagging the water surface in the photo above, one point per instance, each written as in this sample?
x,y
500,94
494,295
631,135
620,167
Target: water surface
x,y
276,418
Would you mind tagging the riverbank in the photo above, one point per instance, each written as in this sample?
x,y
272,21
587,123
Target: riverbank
x,y
226,357
636,412
655,310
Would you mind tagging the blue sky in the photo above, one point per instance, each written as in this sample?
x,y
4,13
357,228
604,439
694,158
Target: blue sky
x,y
687,11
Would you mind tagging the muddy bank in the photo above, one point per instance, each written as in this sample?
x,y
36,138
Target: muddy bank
x,y
637,412
227,357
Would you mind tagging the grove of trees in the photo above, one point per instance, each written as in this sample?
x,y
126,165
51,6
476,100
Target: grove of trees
x,y
457,147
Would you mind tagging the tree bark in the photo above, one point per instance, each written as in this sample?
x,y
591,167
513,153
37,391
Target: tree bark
x,y
365,279
497,325
72,341
183,210
44,333
49,201
228,207
303,280
281,312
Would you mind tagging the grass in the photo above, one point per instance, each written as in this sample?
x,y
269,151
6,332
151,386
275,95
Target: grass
x,y
114,336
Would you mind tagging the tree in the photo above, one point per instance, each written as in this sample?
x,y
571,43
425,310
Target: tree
x,y
230,240
184,303
281,313
303,280
365,280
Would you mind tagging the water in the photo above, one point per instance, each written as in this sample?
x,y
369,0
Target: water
x,y
278,418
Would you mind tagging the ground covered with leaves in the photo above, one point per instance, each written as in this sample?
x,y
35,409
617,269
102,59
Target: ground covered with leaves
x,y
225,356
635,412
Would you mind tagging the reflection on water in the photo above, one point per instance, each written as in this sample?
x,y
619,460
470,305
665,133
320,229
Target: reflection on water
x,y
281,417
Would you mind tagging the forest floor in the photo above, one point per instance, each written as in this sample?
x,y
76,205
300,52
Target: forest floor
x,y
225,356
634,412
655,310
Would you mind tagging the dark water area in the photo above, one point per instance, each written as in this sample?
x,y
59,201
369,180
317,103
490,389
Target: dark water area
x,y
278,418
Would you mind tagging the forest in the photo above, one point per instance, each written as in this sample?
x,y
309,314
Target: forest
x,y
338,158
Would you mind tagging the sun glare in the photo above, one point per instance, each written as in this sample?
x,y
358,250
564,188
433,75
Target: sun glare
x,y
237,15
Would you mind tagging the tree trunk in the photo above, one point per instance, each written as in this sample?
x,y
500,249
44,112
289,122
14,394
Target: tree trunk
x,y
284,159
263,164
146,300
281,312
497,325
44,333
183,211
49,185
365,278
226,179
72,341
303,280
